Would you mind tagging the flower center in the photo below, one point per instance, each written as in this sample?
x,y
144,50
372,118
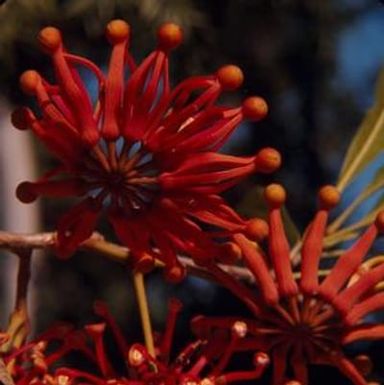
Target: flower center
x,y
309,320
124,177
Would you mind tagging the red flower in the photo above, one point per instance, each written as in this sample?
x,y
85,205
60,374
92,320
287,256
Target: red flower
x,y
144,149
202,362
302,321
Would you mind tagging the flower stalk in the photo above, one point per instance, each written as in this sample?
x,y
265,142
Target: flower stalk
x,y
141,296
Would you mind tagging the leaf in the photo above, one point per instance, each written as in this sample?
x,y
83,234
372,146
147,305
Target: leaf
x,y
354,230
373,187
253,204
368,141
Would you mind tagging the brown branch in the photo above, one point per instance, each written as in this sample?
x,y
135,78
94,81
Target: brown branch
x,y
96,243
23,276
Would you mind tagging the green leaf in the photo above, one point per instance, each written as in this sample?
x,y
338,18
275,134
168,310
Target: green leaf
x,y
373,187
368,141
253,205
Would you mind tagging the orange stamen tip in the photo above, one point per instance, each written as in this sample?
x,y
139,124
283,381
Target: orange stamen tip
x,y
255,108
144,263
95,329
49,39
230,77
268,160
29,81
292,382
206,381
19,120
379,222
275,195
230,252
363,364
329,197
257,229
240,329
135,356
261,358
175,274
169,36
24,192
117,31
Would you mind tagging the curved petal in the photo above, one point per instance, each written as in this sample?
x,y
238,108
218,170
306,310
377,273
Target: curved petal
x,y
76,226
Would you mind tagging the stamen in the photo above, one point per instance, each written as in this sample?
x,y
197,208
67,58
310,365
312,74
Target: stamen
x,y
174,309
348,263
256,264
96,332
102,310
313,241
261,362
278,245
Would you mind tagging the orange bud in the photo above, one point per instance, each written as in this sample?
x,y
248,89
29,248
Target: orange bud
x,y
29,81
255,108
261,358
257,229
230,77
329,197
135,356
240,329
169,36
175,274
144,263
275,195
117,31
49,39
268,160
229,253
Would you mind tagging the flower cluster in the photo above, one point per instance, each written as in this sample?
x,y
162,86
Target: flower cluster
x,y
202,361
146,151
147,154
300,320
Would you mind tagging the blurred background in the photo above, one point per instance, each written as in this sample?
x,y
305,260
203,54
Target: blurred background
x,y
315,62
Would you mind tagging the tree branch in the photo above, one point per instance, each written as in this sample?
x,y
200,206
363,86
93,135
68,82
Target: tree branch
x,y
96,243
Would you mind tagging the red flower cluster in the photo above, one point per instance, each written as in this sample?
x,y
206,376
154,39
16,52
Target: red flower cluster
x,y
145,150
302,321
201,362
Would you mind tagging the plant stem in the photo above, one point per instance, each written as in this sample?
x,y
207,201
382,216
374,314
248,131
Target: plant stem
x,y
23,276
138,281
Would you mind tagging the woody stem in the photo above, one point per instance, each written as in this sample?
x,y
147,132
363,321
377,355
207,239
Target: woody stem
x,y
138,282
23,276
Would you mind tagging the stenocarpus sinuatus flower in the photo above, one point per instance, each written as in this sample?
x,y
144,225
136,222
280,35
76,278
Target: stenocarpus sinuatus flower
x,y
303,320
201,362
145,151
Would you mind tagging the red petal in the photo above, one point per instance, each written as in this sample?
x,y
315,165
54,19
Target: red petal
x,y
279,251
311,252
347,264
76,226
259,269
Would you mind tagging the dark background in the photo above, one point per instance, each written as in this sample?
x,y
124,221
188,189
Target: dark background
x,y
315,62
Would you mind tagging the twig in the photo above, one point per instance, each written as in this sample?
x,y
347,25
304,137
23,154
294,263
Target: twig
x,y
96,243
141,296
